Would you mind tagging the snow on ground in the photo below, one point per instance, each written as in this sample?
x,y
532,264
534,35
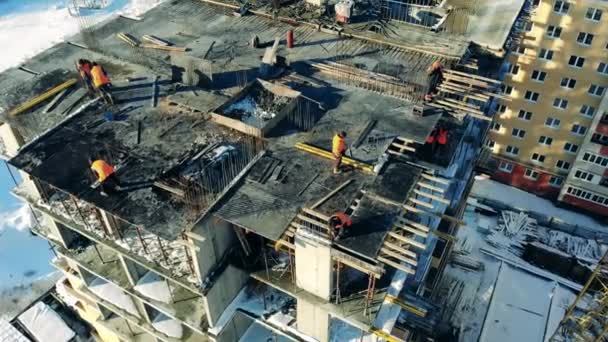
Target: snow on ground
x,y
522,200
45,324
43,24
510,296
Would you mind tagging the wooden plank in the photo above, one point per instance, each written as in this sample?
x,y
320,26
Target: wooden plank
x,y
316,223
325,154
412,230
404,147
430,187
164,48
398,256
155,40
400,249
435,179
422,203
407,240
280,243
127,38
316,214
415,224
473,76
169,188
43,97
329,195
396,265
357,264
56,100
433,197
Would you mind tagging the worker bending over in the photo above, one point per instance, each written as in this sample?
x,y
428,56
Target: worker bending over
x,y
84,67
338,223
106,176
435,77
102,83
338,149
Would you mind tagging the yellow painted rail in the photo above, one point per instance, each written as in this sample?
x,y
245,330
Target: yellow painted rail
x,y
326,154
41,98
406,306
384,335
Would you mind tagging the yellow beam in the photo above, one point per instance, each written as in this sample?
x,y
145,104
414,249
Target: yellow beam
x,y
384,335
406,306
328,155
41,98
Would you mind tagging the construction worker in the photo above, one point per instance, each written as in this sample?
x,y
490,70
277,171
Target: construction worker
x,y
338,149
105,175
442,139
435,76
339,222
84,67
102,83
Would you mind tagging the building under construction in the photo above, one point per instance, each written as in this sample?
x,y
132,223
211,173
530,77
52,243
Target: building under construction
x,y
221,136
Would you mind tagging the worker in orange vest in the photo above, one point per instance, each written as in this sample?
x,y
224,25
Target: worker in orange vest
x,y
435,76
84,67
338,149
338,223
102,83
105,175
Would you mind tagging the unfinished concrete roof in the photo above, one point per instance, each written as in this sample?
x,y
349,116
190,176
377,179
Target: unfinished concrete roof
x,y
167,140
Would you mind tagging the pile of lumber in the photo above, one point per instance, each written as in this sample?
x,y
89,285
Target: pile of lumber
x,y
152,42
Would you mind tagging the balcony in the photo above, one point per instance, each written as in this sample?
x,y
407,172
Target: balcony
x,y
600,139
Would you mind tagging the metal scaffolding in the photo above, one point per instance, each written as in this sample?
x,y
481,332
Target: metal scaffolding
x,y
587,318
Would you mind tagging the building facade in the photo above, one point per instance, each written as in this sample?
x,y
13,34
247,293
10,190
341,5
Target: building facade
x,y
550,122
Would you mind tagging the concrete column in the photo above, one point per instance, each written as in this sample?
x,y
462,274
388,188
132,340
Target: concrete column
x,y
112,225
313,320
313,264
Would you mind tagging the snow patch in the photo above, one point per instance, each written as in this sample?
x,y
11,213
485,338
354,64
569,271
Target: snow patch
x,y
45,324
168,326
114,295
154,286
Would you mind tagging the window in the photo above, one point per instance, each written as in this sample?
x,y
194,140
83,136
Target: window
x,y
593,14
595,90
576,61
554,31
513,69
545,140
563,165
556,181
505,167
561,7
586,176
584,38
586,195
567,82
520,50
600,139
524,115
495,127
531,96
507,90
546,54
519,133
595,159
578,129
570,147
587,111
490,143
531,174
539,76
560,103
501,108
602,68
529,26
539,158
552,122
512,150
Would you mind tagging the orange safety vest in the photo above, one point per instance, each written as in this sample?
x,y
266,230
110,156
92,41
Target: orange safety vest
x,y
345,221
99,76
103,169
338,146
442,137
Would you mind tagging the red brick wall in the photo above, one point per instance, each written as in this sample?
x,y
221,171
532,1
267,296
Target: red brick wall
x,y
602,128
517,179
587,205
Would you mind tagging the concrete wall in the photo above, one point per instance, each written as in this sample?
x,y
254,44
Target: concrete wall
x,y
224,290
234,329
313,265
217,237
313,320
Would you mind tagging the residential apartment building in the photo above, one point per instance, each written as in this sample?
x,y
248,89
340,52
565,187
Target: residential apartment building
x,y
556,77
